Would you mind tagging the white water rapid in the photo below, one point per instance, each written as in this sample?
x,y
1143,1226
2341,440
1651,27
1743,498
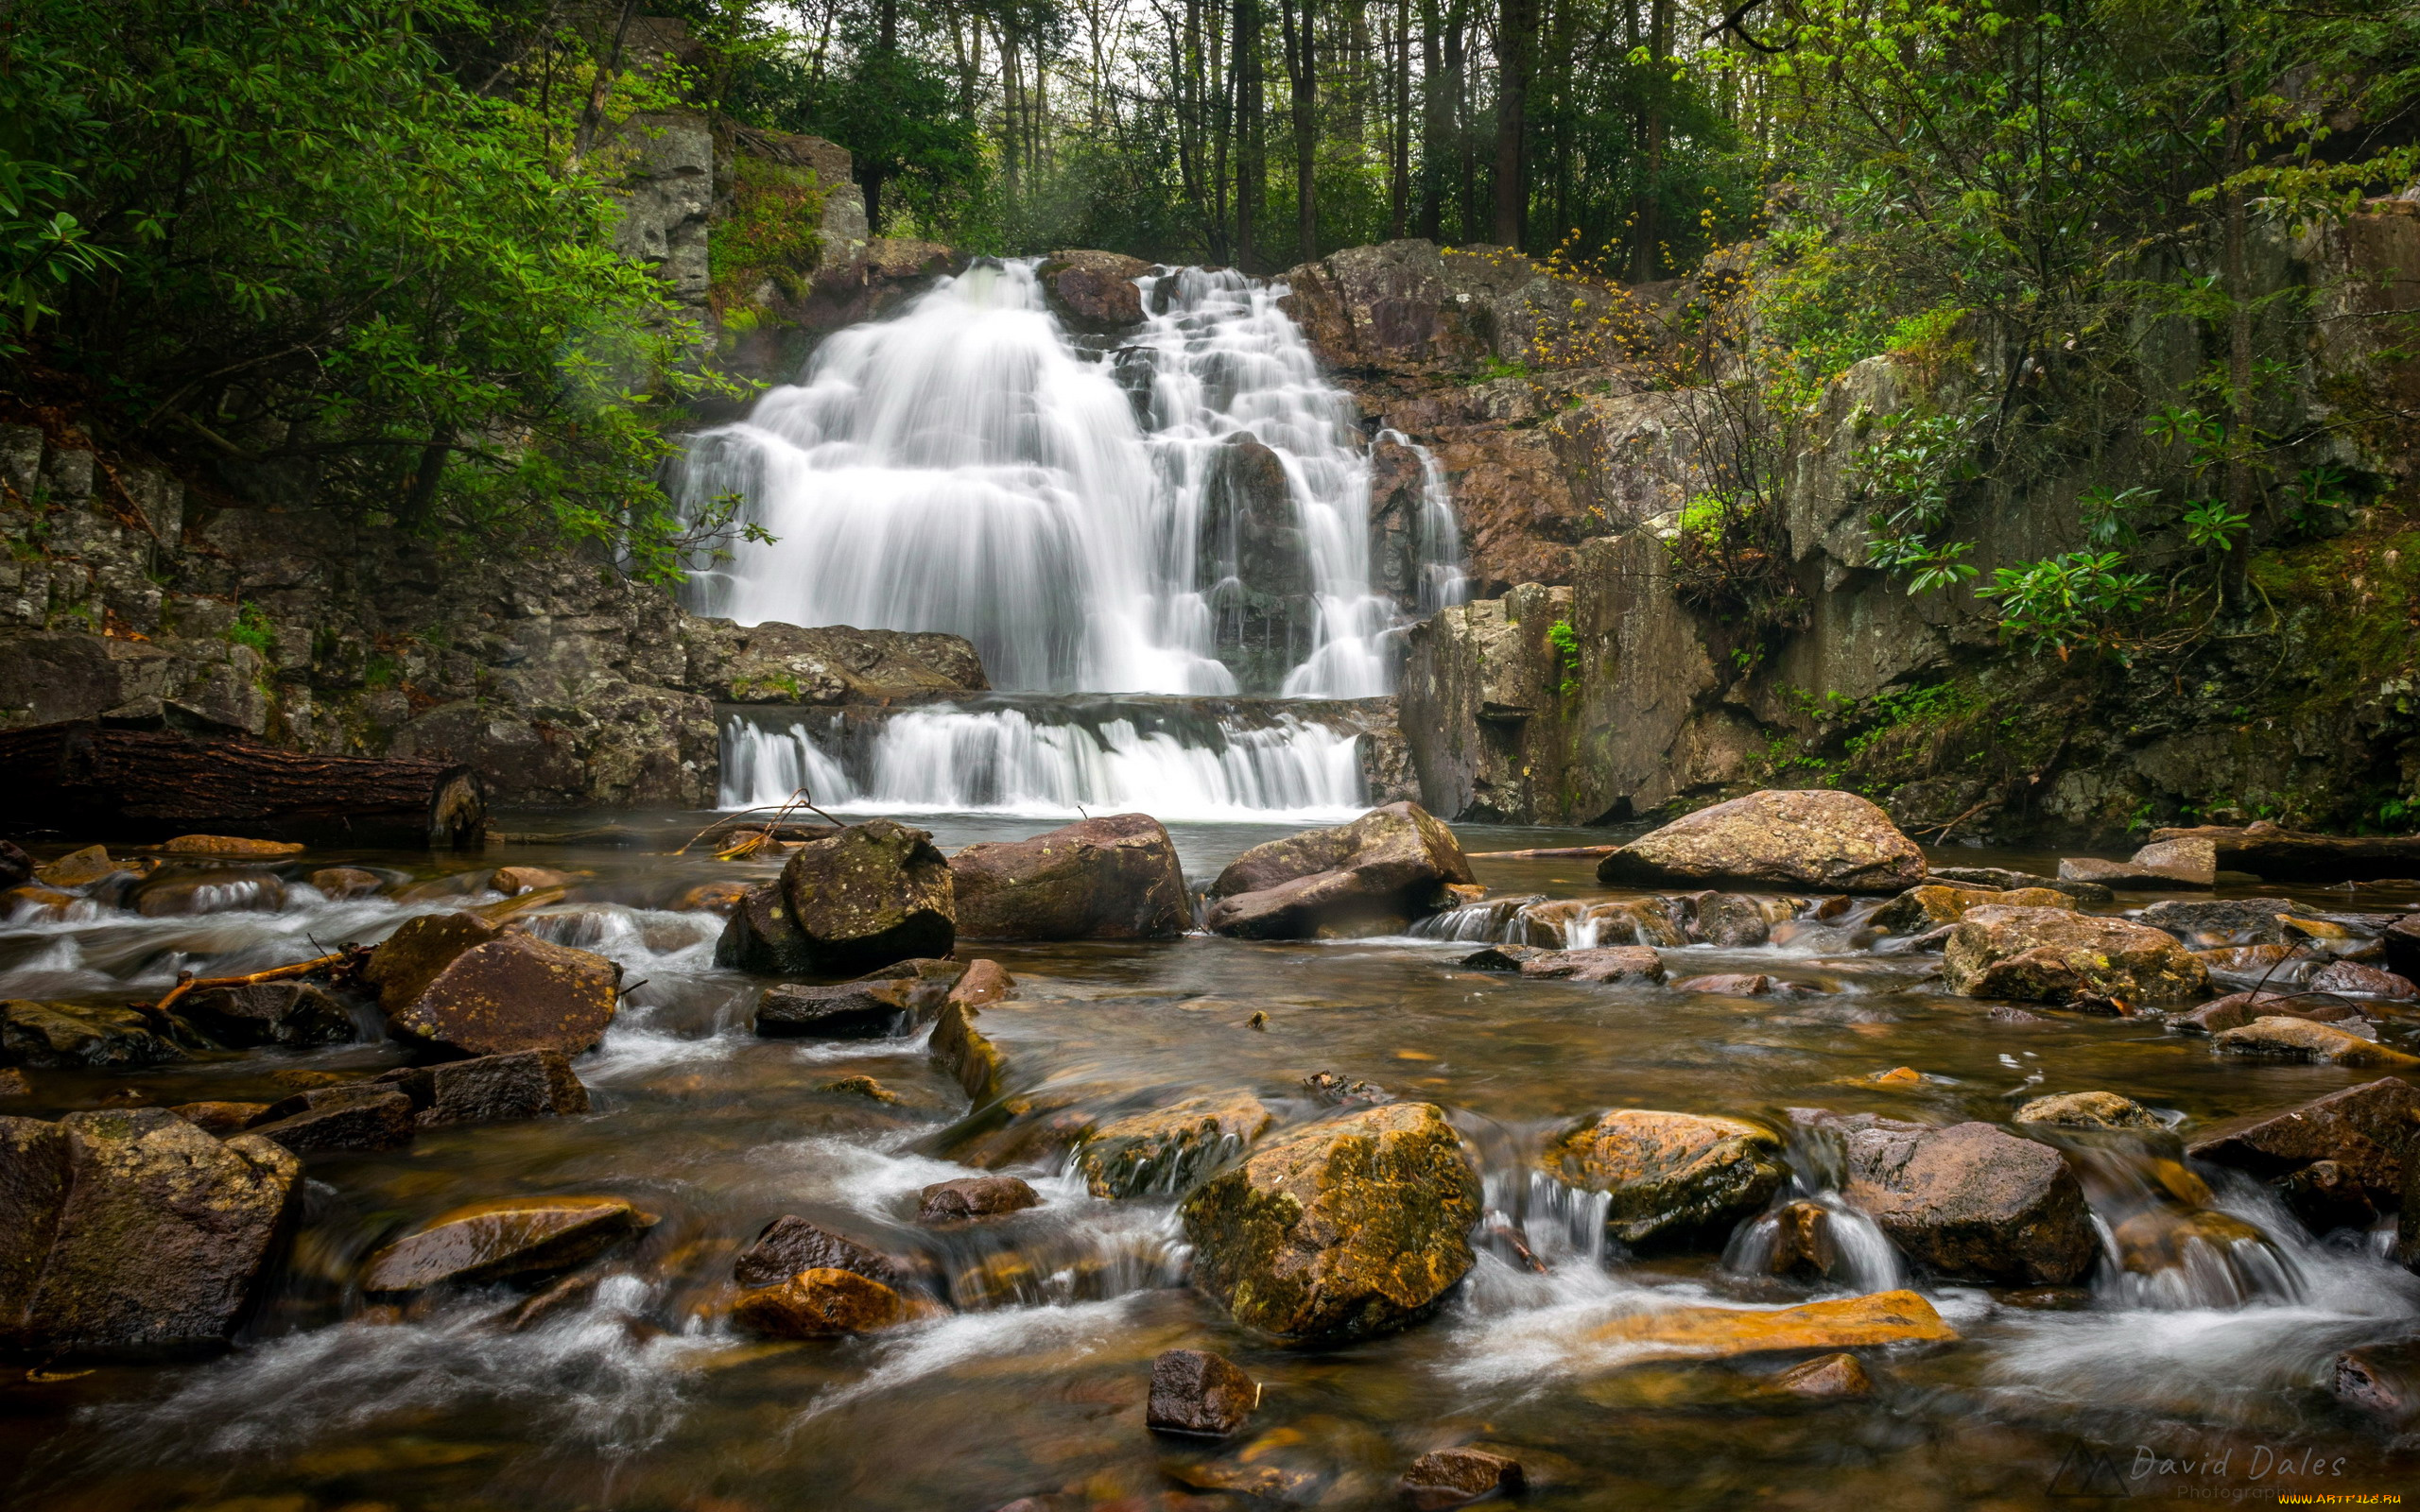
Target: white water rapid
x,y
1187,512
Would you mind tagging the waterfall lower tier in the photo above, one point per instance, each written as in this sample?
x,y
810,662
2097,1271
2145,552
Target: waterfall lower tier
x,y
1051,757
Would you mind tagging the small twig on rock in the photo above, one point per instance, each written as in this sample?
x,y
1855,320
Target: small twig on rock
x,y
187,982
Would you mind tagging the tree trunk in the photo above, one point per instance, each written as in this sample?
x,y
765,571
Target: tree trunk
x,y
1645,252
1436,114
86,778
2241,484
1251,174
1400,208
1301,71
1512,103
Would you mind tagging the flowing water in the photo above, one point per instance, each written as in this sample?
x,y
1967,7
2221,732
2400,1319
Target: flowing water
x,y
1069,506
646,1398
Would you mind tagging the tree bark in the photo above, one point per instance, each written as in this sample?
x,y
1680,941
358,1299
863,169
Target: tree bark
x,y
86,778
1513,23
1298,20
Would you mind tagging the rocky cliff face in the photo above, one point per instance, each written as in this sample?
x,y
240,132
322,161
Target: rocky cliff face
x,y
1652,698
561,681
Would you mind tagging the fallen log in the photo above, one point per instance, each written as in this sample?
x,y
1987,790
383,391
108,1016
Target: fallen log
x,y
1558,852
90,779
2279,854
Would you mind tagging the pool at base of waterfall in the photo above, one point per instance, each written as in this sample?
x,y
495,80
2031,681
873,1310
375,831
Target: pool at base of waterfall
x,y
633,1386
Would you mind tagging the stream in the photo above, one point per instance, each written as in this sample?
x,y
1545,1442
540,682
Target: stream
x,y
639,1394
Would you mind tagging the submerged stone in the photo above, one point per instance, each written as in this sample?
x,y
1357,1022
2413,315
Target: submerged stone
x,y
515,1236
1715,1332
1196,1392
823,1303
1456,1477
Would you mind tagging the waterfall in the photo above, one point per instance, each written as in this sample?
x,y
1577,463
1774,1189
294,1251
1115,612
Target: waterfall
x,y
1186,510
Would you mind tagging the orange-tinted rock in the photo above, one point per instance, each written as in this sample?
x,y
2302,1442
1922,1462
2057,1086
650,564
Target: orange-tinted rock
x,y
2059,955
220,1119
516,1236
1455,1477
974,1197
816,1304
2364,1129
1715,1333
2159,1238
514,881
230,845
341,883
1163,1152
78,868
2283,1039
2088,1110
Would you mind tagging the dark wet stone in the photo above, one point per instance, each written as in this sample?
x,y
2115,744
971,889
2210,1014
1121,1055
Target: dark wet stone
x,y
1735,920
875,893
363,1116
2364,1129
1336,1091
165,1239
13,1083
843,1012
270,1013
1827,1378
2381,1380
33,1190
974,1197
492,1089
2325,1196
76,1037
2355,980
1196,1392
411,957
1504,958
1455,1477
490,1241
173,893
762,937
825,1302
789,1244
512,994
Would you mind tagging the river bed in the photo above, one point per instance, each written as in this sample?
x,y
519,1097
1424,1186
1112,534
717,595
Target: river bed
x,y
645,1397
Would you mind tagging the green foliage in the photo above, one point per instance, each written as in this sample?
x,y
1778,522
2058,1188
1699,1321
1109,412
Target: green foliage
x,y
1907,479
2067,601
252,628
1565,642
301,246
771,233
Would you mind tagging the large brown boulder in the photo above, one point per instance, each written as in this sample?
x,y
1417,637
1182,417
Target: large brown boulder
x,y
1838,842
160,1237
516,1236
270,1013
1973,1202
1111,878
1094,290
1674,1179
2059,955
1340,1230
1390,865
411,957
523,1084
512,993
2364,1131
875,893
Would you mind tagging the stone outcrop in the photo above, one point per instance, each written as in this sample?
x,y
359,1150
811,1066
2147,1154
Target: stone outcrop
x,y
778,664
132,1232
1093,290
1341,1230
1672,1180
1972,1202
1115,877
1814,838
1375,874
2059,955
270,1013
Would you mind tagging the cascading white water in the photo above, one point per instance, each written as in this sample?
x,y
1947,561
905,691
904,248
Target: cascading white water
x,y
1147,520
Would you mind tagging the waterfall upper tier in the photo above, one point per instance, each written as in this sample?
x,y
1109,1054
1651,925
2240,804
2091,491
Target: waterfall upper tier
x,y
1184,508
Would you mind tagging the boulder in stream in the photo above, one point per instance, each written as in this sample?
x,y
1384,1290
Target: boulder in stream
x,y
80,1037
1093,290
2276,1037
1115,877
873,894
1196,1392
1869,1321
1163,1152
1972,1202
1929,906
762,937
851,1010
410,958
1373,876
492,1241
270,1013
789,1244
2089,1111
2207,923
131,1232
969,1197
1456,1477
2237,1009
1618,962
2353,979
2364,1131
513,992
1340,1230
1812,838
2059,955
492,1089
824,1303
356,1116
1672,1180
1737,921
